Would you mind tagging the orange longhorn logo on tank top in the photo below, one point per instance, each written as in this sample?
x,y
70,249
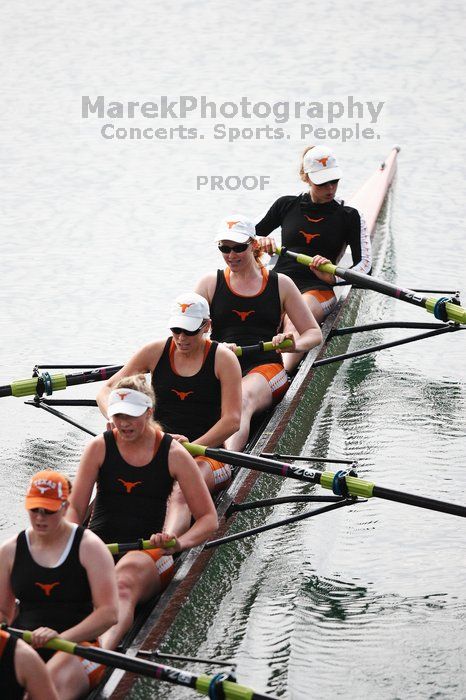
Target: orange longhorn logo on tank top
x,y
184,307
182,394
309,236
129,485
47,587
323,161
230,224
313,221
243,314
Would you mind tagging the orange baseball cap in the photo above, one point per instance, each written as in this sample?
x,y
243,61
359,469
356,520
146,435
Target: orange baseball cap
x,y
47,489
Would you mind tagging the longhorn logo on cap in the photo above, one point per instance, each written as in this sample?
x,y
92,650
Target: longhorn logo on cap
x,y
323,161
230,224
122,394
184,307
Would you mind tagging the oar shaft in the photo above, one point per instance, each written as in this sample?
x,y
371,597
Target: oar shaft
x,y
56,382
200,682
454,312
356,486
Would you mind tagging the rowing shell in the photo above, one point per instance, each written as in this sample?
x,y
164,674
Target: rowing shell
x,y
368,200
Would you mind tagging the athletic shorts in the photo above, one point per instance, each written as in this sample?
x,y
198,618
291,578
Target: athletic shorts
x,y
276,377
325,297
220,471
163,563
92,669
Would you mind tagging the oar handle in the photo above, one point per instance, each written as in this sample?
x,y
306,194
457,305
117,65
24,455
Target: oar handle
x,y
121,548
307,260
263,346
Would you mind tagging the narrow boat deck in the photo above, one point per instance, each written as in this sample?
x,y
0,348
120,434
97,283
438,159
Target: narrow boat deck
x,y
369,200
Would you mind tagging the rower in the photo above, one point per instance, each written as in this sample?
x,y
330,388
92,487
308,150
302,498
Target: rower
x,y
247,304
134,466
316,224
22,670
197,383
64,579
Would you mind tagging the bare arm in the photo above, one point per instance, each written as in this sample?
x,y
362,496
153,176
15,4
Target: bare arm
x,y
142,362
32,673
228,371
88,471
206,287
184,469
299,314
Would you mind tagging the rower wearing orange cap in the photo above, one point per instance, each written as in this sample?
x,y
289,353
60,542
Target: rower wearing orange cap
x,y
64,579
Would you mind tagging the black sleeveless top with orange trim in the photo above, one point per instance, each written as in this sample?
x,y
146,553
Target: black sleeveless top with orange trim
x,y
131,501
187,405
10,689
58,597
246,320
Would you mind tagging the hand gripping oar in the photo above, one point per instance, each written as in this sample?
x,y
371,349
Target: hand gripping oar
x,y
48,383
121,548
203,683
338,482
452,312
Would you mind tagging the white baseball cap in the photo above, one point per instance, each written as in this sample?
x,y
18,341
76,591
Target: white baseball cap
x,y
188,311
321,165
236,228
128,401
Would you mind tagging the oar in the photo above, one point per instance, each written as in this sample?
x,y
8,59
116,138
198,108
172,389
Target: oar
x,y
121,548
49,383
200,682
328,480
453,312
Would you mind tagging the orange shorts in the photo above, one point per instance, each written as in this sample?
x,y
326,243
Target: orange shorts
x,y
92,669
220,471
325,297
276,377
163,563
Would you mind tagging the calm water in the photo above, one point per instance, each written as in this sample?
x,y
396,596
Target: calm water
x,y
99,234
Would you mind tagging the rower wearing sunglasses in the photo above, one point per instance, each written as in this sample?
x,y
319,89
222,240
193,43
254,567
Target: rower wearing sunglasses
x,y
197,384
64,579
316,224
247,303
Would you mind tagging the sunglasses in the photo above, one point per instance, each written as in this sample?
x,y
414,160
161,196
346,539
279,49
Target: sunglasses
x,y
177,331
238,248
43,511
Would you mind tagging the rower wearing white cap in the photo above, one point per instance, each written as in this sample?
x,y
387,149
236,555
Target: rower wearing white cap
x,y
247,304
197,384
135,466
316,224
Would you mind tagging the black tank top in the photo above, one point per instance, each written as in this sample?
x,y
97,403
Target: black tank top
x,y
247,320
187,405
10,689
58,597
131,501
